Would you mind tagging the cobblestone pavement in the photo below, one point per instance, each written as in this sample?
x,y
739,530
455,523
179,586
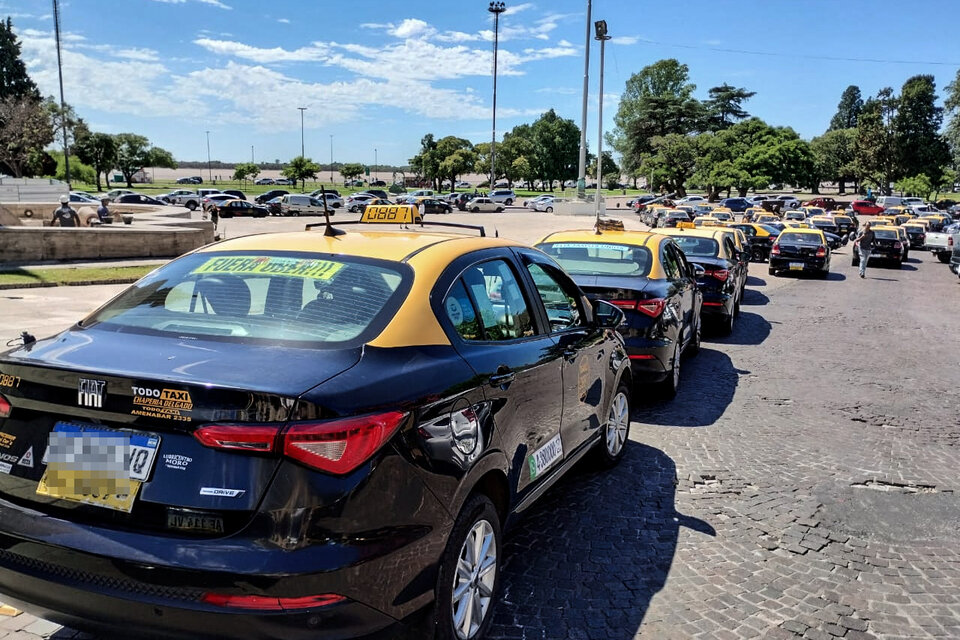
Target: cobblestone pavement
x,y
803,484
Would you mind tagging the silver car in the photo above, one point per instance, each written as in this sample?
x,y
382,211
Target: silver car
x,y
544,204
532,204
484,205
503,196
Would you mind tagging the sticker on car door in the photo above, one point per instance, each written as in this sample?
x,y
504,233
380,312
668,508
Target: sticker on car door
x,y
544,457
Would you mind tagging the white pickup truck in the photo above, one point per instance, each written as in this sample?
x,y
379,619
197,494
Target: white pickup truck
x,y
941,244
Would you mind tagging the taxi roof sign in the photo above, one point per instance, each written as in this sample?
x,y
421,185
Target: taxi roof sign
x,y
396,213
686,225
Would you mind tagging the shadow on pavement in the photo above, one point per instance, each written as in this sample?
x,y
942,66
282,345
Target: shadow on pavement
x,y
749,329
707,385
835,276
754,281
754,298
587,559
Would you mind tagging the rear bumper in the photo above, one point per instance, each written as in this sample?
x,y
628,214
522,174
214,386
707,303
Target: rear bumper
x,y
717,305
649,358
81,601
809,264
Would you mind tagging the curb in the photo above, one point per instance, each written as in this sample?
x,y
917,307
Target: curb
x,y
79,283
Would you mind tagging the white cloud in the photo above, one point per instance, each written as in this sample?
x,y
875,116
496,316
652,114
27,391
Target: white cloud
x,y
283,20
213,3
518,8
317,52
625,40
412,28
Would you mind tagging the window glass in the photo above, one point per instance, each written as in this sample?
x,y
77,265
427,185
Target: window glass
x,y
499,301
599,258
693,246
294,297
669,261
563,308
460,311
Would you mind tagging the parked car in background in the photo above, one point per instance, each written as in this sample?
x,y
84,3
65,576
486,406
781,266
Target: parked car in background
x,y
273,205
284,181
736,205
138,198
785,201
941,243
214,199
294,204
532,203
378,183
269,195
503,196
240,208
691,200
190,180
183,198
81,197
887,247
483,205
116,193
800,251
828,204
463,185
262,181
239,195
432,205
380,193
353,203
545,205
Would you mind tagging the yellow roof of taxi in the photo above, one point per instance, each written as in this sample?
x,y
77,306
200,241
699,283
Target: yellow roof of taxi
x,y
698,232
637,238
366,243
804,230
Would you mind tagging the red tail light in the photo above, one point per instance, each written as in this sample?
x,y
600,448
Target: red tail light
x,y
5,408
897,245
719,274
624,304
340,446
653,307
775,249
950,241
821,252
266,603
257,438
772,238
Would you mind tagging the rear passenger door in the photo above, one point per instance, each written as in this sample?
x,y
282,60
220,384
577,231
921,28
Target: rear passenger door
x,y
517,363
682,287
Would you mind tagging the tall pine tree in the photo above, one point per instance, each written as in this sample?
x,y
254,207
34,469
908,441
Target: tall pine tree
x,y
14,81
849,109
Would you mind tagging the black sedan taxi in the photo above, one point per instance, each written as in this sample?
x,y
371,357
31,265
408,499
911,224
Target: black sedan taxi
x,y
800,250
240,208
301,435
760,237
887,247
648,277
724,275
916,233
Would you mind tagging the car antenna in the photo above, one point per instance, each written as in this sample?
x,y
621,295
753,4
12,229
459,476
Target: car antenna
x,y
329,231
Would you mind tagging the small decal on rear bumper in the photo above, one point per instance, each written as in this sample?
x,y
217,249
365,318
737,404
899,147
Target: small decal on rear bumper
x,y
222,493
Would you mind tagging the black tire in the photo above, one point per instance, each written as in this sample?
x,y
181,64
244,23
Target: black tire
x,y
898,264
192,205
499,209
944,258
757,254
669,387
772,272
478,509
693,347
549,209
609,451
476,209
336,205
727,323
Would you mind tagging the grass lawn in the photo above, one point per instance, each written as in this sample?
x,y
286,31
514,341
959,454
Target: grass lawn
x,y
68,275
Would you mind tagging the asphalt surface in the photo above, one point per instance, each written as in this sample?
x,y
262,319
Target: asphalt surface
x,y
803,484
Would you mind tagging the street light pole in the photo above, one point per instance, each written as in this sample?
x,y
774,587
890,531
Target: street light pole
x,y
601,28
376,165
209,167
582,169
302,109
496,8
331,158
63,112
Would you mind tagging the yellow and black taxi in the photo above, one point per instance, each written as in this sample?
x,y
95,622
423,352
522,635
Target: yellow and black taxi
x,y
301,435
845,224
723,214
724,273
647,276
766,218
432,205
800,250
916,234
937,220
831,231
760,238
707,221
887,246
239,208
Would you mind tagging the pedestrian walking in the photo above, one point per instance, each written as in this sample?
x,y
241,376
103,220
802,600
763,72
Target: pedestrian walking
x,y
864,246
65,216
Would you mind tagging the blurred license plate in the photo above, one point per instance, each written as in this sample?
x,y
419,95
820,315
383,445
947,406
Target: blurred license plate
x,y
186,521
796,266
99,466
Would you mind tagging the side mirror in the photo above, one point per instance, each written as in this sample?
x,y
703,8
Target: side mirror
x,y
607,315
699,271
844,241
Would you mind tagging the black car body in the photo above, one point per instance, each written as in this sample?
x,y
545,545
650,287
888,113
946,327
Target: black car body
x,y
138,198
722,278
759,246
236,193
887,247
312,466
827,225
800,251
917,236
241,208
657,291
432,205
845,224
270,195
672,219
737,205
380,193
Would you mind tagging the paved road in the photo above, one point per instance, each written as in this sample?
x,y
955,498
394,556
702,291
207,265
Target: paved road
x,y
803,484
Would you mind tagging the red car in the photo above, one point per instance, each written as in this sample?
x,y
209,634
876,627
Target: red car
x,y
827,204
866,208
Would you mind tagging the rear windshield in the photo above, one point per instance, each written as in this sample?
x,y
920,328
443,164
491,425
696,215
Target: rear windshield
x,y
770,229
600,258
703,247
799,238
268,297
814,211
886,234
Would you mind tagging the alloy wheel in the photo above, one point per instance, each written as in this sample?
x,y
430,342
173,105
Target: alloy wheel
x,y
618,424
474,580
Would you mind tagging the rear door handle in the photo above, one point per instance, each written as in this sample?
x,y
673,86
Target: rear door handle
x,y
502,379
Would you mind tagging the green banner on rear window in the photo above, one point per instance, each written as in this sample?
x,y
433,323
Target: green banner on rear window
x,y
270,266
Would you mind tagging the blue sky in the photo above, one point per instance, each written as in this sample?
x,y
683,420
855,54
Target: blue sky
x,y
379,75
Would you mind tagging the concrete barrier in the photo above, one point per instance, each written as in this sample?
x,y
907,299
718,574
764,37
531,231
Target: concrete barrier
x,y
39,244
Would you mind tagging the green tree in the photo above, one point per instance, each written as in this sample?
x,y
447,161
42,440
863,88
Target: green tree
x,y
299,169
672,163
133,154
556,151
876,152
610,173
426,164
351,170
657,100
921,148
79,171
25,130
951,104
833,155
725,106
919,186
99,150
947,180
245,171
14,80
848,110
456,158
